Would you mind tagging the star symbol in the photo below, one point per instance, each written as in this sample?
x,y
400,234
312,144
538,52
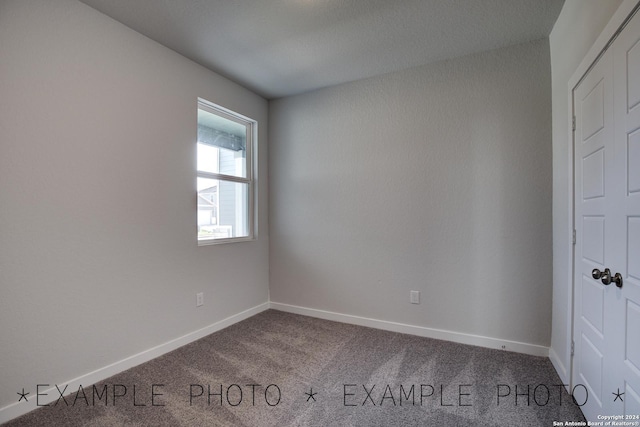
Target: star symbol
x,y
23,395
311,395
618,395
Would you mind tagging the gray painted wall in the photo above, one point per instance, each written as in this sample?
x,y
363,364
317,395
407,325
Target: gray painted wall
x,y
579,24
435,179
98,251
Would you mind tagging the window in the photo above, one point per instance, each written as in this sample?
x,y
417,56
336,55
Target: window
x,y
225,181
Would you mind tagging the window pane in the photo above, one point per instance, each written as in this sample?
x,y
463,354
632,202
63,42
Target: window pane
x,y
222,209
208,158
208,211
222,145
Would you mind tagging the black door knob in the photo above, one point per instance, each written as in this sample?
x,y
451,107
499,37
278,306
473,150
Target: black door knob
x,y
596,274
617,279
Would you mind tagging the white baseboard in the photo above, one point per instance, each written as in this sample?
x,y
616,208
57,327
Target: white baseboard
x,y
16,409
481,341
559,366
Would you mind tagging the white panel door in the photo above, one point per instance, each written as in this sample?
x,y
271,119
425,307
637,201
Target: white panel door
x,y
607,222
593,149
626,218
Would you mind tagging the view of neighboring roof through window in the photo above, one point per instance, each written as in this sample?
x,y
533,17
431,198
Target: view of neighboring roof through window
x,y
224,175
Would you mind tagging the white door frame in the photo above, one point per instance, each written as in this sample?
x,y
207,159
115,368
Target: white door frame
x,y
604,40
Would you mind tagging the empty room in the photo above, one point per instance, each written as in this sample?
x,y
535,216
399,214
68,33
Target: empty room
x,y
319,212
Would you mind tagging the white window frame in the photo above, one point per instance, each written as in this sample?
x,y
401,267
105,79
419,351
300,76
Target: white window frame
x,y
251,144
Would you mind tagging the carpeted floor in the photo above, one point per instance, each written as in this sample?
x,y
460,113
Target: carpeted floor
x,y
281,369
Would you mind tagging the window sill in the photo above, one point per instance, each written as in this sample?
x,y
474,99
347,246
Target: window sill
x,y
209,242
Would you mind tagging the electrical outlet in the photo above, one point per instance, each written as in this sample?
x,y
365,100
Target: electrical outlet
x,y
199,299
414,297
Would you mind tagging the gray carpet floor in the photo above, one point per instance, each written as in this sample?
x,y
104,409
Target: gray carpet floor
x,y
281,369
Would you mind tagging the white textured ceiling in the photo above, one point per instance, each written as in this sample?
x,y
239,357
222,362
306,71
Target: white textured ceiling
x,y
284,47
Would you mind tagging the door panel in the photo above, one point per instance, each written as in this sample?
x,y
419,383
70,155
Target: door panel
x,y
592,107
632,401
632,346
593,304
593,180
591,366
593,238
633,251
633,69
633,169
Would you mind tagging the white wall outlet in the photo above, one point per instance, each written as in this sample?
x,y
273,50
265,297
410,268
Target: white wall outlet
x,y
414,297
199,299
